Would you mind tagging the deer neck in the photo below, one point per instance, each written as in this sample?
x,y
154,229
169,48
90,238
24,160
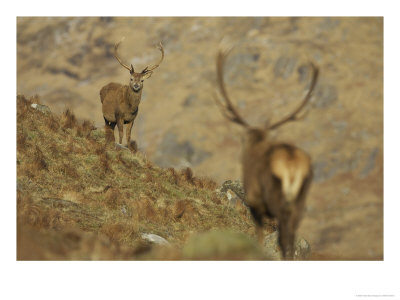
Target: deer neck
x,y
134,97
253,153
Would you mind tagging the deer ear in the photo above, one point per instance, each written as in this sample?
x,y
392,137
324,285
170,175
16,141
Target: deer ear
x,y
131,70
147,75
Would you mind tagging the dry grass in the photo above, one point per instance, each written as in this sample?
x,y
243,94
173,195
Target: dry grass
x,y
68,119
77,194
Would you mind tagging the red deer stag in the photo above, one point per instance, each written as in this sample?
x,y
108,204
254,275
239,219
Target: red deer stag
x,y
276,175
120,103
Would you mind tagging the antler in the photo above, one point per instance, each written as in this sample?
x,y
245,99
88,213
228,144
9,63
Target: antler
x,y
119,60
294,115
227,108
148,69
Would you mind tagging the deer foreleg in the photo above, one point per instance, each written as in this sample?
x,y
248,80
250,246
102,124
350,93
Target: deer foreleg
x,y
120,125
128,132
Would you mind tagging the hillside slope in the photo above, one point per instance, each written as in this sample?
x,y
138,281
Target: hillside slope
x,y
78,198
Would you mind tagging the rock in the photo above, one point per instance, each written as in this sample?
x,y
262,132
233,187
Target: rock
x,y
232,197
40,107
234,186
124,211
119,146
155,239
302,249
271,247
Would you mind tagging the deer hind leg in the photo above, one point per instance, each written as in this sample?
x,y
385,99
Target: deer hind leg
x,y
129,127
287,230
109,131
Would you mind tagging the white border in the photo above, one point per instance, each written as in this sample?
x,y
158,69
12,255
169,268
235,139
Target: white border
x,y
198,280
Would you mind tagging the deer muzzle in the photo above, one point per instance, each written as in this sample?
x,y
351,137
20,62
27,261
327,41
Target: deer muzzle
x,y
136,87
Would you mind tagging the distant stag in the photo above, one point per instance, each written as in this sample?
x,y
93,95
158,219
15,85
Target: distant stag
x,y
121,102
276,175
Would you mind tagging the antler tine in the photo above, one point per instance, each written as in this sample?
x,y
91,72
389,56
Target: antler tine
x,y
119,60
227,108
224,110
148,69
294,115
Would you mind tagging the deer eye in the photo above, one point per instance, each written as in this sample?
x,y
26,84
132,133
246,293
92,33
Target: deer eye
x,y
131,79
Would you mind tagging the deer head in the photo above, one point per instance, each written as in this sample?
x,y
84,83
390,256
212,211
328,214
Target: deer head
x,y
136,79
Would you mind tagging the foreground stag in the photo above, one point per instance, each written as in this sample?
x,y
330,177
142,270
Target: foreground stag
x,y
121,102
276,175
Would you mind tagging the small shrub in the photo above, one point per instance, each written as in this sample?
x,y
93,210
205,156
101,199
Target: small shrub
x,y
85,129
133,146
39,160
68,119
113,198
187,175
